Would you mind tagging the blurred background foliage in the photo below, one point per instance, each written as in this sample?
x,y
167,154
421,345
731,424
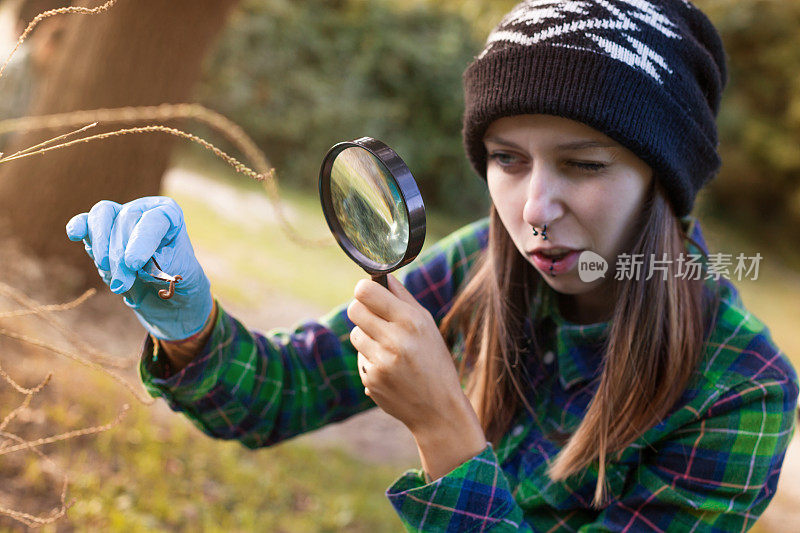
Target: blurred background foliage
x,y
759,121
301,76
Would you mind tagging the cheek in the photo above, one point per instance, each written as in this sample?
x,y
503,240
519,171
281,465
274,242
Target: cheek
x,y
614,212
508,198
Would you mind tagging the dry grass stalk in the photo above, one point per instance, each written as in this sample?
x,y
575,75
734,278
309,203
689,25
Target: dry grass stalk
x,y
53,12
51,141
54,515
232,161
11,442
45,312
229,130
52,307
27,518
77,358
27,445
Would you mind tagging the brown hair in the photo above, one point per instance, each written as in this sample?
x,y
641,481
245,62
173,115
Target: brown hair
x,y
644,374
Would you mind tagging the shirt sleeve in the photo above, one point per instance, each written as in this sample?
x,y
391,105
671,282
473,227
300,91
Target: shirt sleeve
x,y
475,496
715,474
264,388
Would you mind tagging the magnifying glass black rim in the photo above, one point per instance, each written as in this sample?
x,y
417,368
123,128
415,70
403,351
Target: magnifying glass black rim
x,y
412,201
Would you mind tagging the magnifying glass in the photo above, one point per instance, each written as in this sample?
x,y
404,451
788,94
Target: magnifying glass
x,y
372,205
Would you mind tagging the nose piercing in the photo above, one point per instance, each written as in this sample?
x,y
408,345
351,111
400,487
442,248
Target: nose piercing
x,y
544,232
544,238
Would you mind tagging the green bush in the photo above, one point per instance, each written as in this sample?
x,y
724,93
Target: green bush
x,y
301,76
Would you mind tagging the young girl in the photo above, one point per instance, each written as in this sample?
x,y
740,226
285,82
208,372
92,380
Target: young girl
x,y
646,399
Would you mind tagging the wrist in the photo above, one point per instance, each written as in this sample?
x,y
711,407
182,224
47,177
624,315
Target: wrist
x,y
454,415
180,353
446,445
175,320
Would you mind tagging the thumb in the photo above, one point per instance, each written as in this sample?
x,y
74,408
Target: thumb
x,y
399,290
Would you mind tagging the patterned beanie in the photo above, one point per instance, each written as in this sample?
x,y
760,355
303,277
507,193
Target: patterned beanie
x,y
648,74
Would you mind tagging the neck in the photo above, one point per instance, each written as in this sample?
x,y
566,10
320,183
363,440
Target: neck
x,y
587,308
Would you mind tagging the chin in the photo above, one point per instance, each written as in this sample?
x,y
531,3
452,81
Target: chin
x,y
571,284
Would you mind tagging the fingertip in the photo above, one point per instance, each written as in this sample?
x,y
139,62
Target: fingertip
x,y
361,288
349,309
116,285
121,285
77,227
134,261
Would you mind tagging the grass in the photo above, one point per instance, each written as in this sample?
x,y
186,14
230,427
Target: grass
x,y
155,473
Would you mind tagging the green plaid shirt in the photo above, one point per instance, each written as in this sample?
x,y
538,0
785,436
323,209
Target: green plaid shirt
x,y
712,464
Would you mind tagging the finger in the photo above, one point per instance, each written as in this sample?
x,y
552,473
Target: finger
x,y
399,290
146,237
378,300
364,344
367,321
364,367
78,227
122,277
100,221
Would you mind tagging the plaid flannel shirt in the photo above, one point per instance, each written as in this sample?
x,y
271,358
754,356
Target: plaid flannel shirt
x,y
712,464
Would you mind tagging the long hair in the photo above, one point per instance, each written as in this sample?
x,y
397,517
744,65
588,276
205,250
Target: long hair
x,y
654,343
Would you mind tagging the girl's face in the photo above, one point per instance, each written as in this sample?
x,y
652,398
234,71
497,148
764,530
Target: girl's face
x,y
587,188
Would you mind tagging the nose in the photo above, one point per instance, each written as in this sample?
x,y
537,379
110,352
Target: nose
x,y
543,204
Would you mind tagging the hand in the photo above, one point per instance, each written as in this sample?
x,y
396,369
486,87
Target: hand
x,y
410,372
122,238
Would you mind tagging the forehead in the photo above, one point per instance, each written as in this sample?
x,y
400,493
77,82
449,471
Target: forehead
x,y
543,130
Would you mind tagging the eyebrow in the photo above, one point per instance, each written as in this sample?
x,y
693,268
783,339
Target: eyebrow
x,y
575,145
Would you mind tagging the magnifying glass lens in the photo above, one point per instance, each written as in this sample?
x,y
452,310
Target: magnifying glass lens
x,y
369,207
372,205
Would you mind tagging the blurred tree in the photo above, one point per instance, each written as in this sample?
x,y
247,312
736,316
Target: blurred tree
x,y
300,77
759,183
138,53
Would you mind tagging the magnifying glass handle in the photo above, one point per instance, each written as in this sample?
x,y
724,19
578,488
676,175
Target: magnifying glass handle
x,y
381,278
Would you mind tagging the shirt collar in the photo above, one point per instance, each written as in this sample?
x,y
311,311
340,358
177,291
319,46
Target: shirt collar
x,y
579,348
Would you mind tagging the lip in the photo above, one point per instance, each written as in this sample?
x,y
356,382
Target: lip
x,y
560,266
551,247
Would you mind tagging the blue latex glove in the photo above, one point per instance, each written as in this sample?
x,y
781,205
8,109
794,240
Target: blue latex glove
x,y
122,238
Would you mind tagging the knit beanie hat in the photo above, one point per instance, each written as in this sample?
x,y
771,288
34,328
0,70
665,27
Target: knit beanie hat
x,y
648,74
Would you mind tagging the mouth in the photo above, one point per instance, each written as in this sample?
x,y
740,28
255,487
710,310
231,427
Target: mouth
x,y
554,260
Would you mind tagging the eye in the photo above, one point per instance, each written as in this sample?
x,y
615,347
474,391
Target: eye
x,y
589,167
505,160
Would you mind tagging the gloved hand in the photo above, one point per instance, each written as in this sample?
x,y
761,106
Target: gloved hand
x,y
122,238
